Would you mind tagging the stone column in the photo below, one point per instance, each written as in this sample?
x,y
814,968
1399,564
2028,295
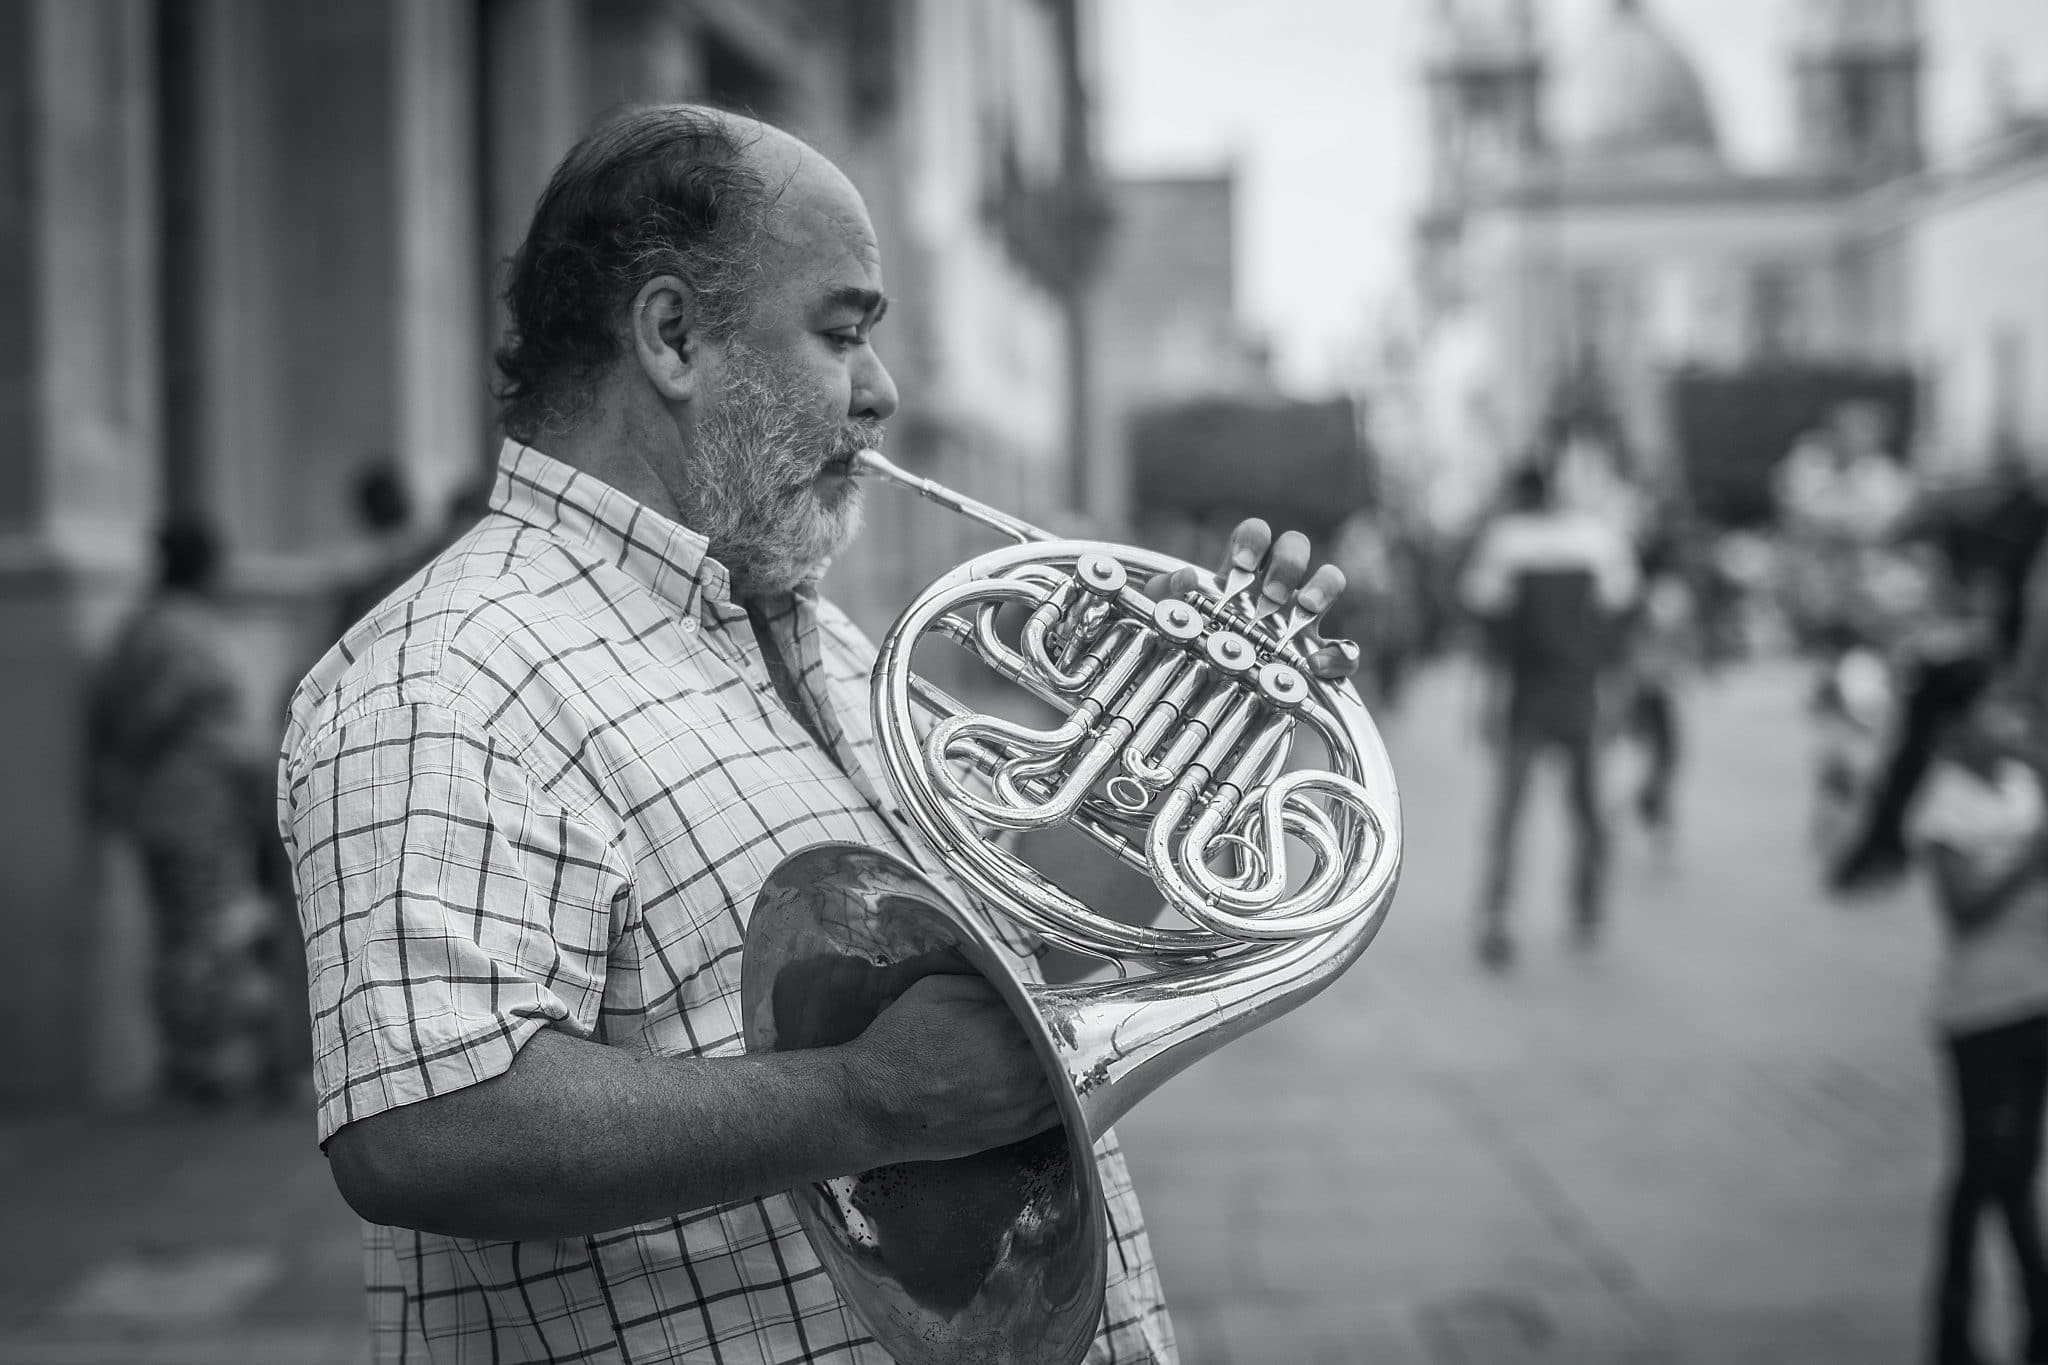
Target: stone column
x,y
535,105
533,100
79,420
440,320
232,276
638,51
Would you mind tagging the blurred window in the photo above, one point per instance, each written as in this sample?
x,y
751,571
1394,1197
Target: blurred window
x,y
1862,106
1774,320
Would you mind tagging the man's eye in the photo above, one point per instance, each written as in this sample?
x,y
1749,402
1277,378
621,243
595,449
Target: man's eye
x,y
845,341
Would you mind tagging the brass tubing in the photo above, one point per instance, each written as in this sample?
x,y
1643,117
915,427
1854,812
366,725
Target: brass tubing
x,y
1014,589
1199,725
1139,762
871,463
1037,744
1037,647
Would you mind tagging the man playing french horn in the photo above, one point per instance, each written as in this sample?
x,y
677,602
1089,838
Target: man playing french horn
x,y
531,798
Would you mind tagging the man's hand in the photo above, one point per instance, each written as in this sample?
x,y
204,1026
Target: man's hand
x,y
946,1071
1277,573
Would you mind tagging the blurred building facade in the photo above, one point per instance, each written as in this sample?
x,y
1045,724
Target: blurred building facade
x,y
1972,245
1586,240
249,246
1165,324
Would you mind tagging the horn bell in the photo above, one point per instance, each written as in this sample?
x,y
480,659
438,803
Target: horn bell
x,y
992,1259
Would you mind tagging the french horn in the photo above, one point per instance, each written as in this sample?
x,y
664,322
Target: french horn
x,y
1177,754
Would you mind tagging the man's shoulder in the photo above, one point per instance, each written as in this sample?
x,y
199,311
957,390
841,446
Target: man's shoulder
x,y
438,642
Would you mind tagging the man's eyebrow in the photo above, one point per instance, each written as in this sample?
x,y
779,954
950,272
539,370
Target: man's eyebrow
x,y
870,303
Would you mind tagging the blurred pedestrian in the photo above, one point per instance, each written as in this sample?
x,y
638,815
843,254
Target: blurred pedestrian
x,y
1839,492
2000,539
2030,647
384,511
1989,543
1548,586
1663,651
171,773
1981,823
399,547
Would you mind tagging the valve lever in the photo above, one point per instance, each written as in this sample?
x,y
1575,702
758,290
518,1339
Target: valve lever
x,y
1236,584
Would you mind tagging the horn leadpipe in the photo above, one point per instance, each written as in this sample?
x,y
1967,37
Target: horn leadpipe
x,y
872,462
1277,637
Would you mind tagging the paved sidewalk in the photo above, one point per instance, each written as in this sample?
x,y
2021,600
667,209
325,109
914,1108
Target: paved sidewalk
x,y
164,1239
1712,1140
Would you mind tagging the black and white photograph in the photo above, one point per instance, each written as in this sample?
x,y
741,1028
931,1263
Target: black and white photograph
x,y
1024,682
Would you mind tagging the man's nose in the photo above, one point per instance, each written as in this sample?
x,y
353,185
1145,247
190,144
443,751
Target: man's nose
x,y
874,392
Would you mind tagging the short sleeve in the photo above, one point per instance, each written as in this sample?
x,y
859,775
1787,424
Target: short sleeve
x,y
451,907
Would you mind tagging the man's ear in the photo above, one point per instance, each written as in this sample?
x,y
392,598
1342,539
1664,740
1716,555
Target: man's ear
x,y
662,329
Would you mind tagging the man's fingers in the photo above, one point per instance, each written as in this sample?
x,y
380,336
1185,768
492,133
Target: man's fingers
x,y
1248,546
1176,584
1323,588
1334,660
1285,581
956,986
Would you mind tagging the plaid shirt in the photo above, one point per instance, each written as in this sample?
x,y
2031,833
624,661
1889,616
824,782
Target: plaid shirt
x,y
540,785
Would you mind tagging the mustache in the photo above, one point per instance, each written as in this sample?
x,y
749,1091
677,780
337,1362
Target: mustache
x,y
863,436
850,438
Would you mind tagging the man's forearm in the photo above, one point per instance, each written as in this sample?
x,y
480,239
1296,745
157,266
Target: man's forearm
x,y
578,1137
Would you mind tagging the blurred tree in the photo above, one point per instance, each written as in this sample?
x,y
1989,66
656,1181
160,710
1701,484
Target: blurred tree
x,y
1299,464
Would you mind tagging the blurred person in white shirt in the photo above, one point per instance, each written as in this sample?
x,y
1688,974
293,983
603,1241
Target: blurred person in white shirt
x,y
1549,586
1980,823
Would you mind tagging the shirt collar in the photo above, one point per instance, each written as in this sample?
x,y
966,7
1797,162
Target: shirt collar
x,y
666,557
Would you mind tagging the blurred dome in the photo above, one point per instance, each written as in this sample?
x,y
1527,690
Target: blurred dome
x,y
1633,97
1853,25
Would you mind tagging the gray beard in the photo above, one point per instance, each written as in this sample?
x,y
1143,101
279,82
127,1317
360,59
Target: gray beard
x,y
751,491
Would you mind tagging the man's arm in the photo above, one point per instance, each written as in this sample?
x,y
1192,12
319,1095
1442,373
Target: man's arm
x,y
457,907
577,1137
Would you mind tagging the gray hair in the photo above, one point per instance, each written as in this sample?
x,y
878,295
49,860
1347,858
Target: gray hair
x,y
657,190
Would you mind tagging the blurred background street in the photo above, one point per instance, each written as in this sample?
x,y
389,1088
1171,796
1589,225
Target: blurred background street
x,y
1669,377
1713,1140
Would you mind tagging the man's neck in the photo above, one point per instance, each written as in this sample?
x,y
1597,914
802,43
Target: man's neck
x,y
614,448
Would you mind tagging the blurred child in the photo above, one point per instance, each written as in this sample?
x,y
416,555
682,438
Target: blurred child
x,y
1981,824
1663,652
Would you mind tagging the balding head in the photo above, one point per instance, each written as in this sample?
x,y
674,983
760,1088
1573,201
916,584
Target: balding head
x,y
666,190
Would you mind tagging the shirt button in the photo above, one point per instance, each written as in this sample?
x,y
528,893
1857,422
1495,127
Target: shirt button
x,y
690,624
